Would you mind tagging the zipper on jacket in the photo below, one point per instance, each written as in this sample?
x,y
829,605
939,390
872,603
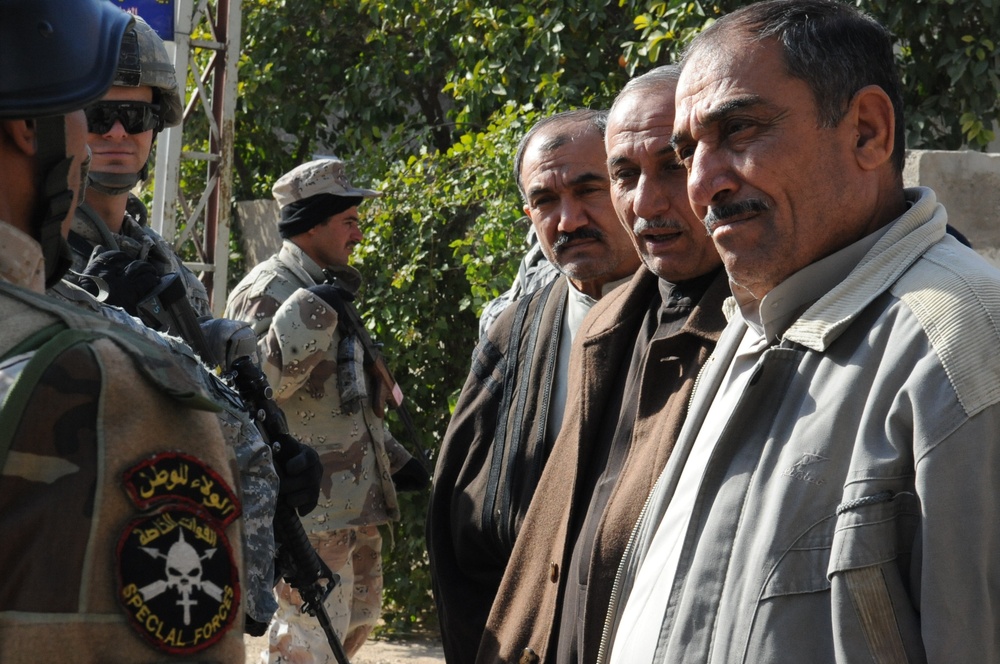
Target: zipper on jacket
x,y
507,515
602,650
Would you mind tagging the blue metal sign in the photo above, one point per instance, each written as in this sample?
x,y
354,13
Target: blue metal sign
x,y
158,13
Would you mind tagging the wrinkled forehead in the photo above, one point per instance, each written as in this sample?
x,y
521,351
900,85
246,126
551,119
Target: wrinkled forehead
x,y
641,125
719,72
562,150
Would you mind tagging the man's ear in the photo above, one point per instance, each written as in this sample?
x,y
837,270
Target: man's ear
x,y
22,135
874,122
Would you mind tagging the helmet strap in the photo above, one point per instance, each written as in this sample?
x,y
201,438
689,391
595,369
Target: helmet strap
x,y
113,184
56,196
116,184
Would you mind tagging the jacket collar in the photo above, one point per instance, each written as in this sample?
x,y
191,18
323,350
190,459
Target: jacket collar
x,y
309,272
905,241
628,305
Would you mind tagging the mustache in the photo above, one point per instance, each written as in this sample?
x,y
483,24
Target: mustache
x,y
586,233
642,225
721,213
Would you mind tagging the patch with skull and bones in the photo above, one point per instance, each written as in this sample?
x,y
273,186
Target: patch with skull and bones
x,y
178,581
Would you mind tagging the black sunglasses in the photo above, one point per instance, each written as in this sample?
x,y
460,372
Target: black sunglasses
x,y
135,116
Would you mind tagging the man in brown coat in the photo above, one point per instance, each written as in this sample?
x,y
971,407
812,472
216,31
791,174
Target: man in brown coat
x,y
632,369
512,404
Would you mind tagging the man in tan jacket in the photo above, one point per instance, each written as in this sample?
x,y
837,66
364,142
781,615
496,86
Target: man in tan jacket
x,y
633,366
512,404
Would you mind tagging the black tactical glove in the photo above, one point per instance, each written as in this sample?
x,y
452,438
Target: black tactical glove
x,y
335,296
114,278
299,473
411,477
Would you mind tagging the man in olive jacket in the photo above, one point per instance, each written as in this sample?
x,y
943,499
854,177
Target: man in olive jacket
x,y
632,370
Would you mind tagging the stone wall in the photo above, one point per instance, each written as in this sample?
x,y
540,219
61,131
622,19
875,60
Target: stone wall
x,y
259,222
968,185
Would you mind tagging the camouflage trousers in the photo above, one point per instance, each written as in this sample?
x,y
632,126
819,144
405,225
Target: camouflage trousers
x,y
354,605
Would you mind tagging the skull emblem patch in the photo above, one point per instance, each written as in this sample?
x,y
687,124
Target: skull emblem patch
x,y
178,582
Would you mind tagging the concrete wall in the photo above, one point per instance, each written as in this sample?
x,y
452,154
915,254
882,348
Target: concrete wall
x,y
259,222
968,185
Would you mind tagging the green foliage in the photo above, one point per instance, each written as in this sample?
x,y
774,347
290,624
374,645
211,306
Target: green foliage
x,y
950,63
430,255
947,51
427,100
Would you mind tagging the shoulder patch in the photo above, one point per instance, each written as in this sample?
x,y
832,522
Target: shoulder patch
x,y
177,579
174,477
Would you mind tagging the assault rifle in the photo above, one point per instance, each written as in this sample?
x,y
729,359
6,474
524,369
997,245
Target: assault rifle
x,y
387,390
300,565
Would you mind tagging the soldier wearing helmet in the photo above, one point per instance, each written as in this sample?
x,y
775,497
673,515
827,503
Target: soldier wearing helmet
x,y
109,449
121,128
110,240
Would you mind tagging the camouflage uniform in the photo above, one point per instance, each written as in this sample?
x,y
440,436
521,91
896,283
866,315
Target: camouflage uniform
x,y
137,240
258,479
113,468
305,356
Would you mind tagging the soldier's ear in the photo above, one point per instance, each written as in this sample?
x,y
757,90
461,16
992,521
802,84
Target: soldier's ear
x,y
21,134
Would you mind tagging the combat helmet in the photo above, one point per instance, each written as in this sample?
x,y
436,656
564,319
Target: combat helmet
x,y
143,62
56,56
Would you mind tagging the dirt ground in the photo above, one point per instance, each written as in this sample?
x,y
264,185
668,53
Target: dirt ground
x,y
373,652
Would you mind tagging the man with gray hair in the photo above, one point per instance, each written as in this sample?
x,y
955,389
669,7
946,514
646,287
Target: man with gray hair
x,y
632,371
512,405
832,496
296,303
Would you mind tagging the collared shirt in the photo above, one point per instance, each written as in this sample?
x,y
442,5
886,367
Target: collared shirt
x,y
21,261
766,320
775,312
578,305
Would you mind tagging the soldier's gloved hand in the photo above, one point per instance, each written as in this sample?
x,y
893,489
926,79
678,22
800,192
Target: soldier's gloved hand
x,y
299,474
332,295
114,278
411,477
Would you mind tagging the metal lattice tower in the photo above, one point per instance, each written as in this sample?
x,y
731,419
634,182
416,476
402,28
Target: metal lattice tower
x,y
205,51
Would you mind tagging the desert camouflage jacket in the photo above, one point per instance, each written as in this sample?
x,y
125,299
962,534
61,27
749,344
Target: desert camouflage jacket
x,y
299,342
113,468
